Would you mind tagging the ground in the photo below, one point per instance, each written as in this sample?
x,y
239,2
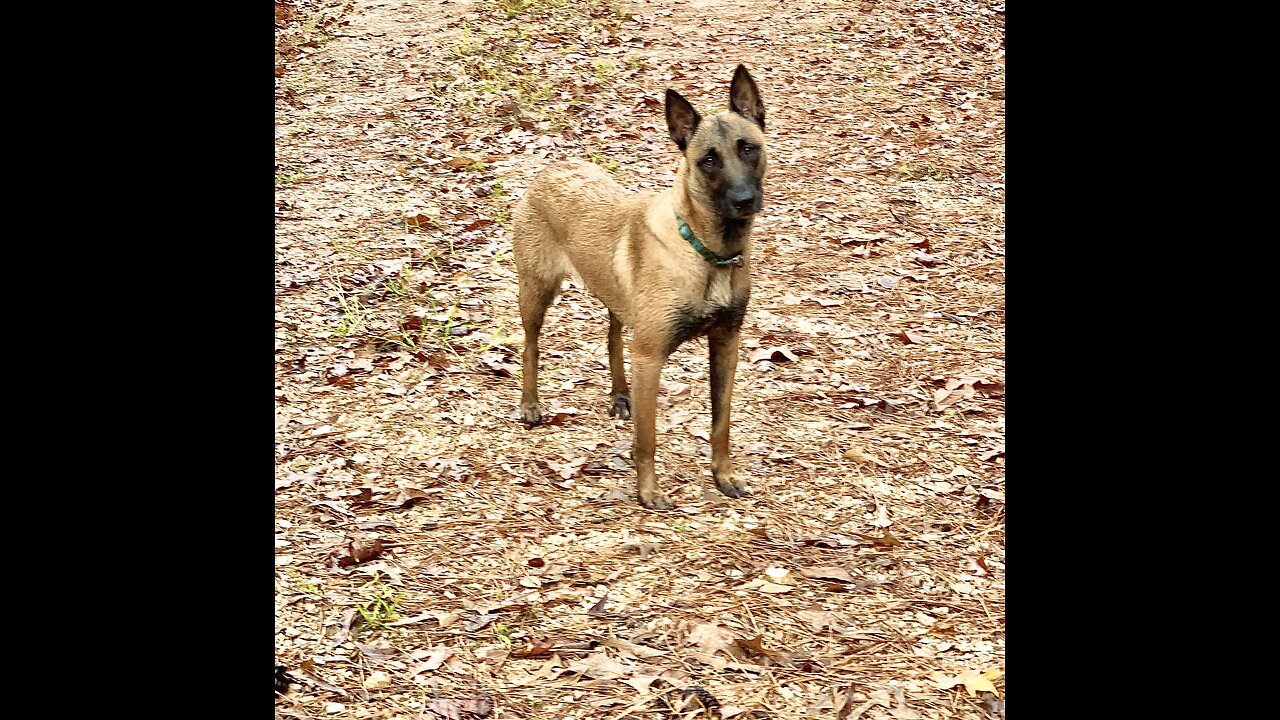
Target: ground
x,y
435,558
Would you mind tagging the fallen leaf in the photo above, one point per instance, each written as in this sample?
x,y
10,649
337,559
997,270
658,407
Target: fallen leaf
x,y
377,680
641,683
925,259
434,659
599,665
817,620
445,619
307,669
408,495
676,391
569,469
710,638
781,576
478,621
775,588
857,455
885,538
775,354
344,627
375,653
828,573
533,649
972,680
360,549
994,704
632,649
914,338
992,454
451,709
755,647
598,610
311,477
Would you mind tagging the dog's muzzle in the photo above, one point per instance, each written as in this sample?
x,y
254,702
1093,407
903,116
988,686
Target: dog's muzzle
x,y
745,201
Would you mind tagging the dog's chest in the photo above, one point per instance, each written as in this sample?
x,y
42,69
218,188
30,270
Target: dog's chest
x,y
718,308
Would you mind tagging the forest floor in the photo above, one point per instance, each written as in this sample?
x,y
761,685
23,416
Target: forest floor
x,y
435,558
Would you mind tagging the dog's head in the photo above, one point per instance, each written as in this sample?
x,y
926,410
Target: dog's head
x,y
725,152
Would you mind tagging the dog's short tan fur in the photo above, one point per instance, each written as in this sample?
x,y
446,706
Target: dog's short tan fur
x,y
628,250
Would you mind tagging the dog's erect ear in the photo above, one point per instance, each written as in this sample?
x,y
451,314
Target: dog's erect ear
x,y
744,97
682,119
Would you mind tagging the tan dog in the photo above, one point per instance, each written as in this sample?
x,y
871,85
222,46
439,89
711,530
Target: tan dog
x,y
670,265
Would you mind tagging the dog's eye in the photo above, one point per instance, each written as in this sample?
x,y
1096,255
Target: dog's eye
x,y
710,161
747,149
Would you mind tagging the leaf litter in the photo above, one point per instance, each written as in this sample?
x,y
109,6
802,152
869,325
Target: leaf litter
x,y
872,368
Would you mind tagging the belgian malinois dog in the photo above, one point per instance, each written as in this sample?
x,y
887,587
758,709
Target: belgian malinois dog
x,y
671,265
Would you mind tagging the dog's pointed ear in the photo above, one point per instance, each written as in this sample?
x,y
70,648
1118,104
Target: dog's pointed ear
x,y
744,97
682,119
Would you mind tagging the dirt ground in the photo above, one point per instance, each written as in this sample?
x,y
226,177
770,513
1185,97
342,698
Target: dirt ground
x,y
435,558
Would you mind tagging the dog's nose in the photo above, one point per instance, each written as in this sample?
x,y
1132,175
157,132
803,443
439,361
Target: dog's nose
x,y
743,200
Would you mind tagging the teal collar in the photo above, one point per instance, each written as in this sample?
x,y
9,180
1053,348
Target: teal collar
x,y
686,232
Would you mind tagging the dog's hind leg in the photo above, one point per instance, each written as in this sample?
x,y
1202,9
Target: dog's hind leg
x,y
535,297
620,394
540,273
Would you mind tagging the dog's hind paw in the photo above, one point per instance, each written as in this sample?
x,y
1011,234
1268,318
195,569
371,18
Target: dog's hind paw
x,y
621,407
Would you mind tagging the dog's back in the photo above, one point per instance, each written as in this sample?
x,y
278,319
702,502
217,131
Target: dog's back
x,y
561,224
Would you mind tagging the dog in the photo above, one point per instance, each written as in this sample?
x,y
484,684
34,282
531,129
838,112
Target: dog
x,y
671,265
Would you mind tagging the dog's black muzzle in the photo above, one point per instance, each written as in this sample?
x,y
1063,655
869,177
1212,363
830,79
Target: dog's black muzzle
x,y
743,201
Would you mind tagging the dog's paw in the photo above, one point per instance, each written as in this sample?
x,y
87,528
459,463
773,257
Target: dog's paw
x,y
730,484
621,407
656,500
530,414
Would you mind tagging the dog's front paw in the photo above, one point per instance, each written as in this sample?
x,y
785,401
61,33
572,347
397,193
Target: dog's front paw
x,y
530,414
656,500
730,484
621,407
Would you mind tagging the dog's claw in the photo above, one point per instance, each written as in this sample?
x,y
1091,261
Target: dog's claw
x,y
658,501
621,407
731,486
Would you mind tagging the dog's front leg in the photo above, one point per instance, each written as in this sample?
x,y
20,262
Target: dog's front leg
x,y
646,368
723,343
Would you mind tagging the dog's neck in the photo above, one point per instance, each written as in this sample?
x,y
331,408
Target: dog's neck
x,y
724,237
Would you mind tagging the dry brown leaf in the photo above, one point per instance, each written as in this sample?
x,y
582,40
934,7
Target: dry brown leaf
x,y
828,573
599,665
973,680
817,620
885,538
434,659
768,587
775,354
631,649
755,647
710,638
450,709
